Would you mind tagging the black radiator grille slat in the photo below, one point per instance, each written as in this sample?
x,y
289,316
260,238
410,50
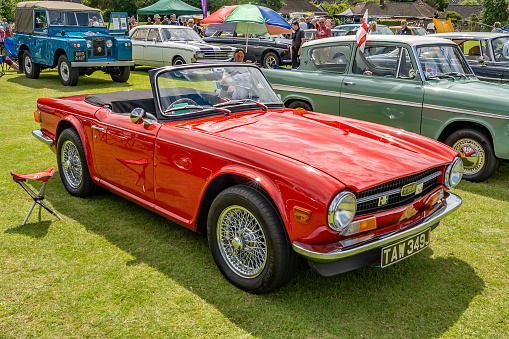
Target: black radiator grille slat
x,y
396,199
215,55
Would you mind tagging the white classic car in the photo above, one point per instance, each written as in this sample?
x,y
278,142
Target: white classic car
x,y
162,45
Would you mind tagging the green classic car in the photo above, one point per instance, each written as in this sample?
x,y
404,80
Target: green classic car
x,y
420,84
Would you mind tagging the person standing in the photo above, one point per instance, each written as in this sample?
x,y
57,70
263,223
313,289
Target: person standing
x,y
165,21
322,31
372,27
149,21
298,38
173,20
157,19
302,24
496,27
309,23
404,30
5,24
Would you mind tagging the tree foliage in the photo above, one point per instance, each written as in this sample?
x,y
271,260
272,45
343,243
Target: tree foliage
x,y
453,16
7,9
468,2
440,5
332,9
494,10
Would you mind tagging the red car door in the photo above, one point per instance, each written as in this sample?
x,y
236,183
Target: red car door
x,y
124,153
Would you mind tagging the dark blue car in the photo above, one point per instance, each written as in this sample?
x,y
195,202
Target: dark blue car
x,y
73,38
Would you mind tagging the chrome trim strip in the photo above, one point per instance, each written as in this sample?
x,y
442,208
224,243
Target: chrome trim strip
x,y
345,95
37,133
398,191
466,111
101,63
306,90
381,100
453,203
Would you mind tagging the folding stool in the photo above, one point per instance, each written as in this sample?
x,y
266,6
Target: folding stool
x,y
38,198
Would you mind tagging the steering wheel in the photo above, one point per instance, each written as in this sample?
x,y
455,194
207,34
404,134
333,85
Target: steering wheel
x,y
339,58
180,101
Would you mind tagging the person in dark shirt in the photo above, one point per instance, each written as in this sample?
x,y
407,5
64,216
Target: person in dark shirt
x,y
149,21
165,20
238,56
298,38
173,20
309,23
404,30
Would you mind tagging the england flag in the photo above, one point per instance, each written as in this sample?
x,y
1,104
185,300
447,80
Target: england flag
x,y
362,32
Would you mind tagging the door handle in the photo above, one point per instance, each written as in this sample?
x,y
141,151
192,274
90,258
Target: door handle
x,y
348,83
98,128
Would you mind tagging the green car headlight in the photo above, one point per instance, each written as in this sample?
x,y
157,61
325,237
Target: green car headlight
x,y
109,43
454,173
341,211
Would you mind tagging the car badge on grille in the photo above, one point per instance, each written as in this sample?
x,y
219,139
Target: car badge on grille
x,y
99,49
383,200
413,188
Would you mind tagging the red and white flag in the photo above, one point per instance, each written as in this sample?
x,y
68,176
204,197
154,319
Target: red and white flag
x,y
362,32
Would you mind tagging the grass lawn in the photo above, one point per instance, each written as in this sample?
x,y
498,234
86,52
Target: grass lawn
x,y
113,269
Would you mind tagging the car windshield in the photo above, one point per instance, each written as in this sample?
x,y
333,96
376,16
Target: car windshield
x,y
181,34
501,48
217,88
442,61
66,18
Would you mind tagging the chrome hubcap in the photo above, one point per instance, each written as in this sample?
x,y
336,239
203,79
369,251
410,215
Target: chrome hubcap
x,y
28,64
71,164
64,71
242,241
472,154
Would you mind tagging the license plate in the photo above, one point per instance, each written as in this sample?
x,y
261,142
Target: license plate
x,y
79,56
403,249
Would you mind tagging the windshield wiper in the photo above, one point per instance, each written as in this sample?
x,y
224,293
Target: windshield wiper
x,y
238,102
456,74
222,110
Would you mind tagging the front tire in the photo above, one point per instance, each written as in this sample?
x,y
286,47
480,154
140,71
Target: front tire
x,y
248,240
297,104
270,60
68,75
32,69
178,61
479,160
121,74
72,164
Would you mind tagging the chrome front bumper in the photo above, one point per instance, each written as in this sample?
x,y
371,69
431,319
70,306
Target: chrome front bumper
x,y
37,133
453,202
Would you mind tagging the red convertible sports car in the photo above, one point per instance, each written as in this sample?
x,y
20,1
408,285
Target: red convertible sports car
x,y
211,147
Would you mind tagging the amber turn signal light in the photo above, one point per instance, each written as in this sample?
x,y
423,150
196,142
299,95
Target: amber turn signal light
x,y
301,214
37,116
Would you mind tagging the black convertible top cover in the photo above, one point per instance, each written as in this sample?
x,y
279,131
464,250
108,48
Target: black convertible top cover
x,y
124,101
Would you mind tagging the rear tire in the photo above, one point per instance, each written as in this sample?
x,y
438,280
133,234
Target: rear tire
x,y
248,240
32,69
121,74
68,75
479,160
298,104
72,164
270,60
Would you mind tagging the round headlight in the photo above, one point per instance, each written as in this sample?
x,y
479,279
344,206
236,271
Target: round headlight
x,y
454,173
342,210
200,55
89,44
109,43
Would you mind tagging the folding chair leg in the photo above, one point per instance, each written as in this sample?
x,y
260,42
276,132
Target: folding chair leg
x,y
29,212
38,199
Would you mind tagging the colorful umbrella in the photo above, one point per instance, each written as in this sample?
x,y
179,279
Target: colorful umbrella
x,y
249,19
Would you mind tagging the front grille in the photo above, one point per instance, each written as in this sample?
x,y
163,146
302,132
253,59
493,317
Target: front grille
x,y
368,201
215,55
98,47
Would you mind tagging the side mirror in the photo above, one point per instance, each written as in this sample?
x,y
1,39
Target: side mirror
x,y
138,116
62,33
412,74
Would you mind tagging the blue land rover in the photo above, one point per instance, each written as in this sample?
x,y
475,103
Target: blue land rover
x,y
73,38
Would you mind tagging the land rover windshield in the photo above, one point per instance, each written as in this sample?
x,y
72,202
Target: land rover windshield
x,y
68,18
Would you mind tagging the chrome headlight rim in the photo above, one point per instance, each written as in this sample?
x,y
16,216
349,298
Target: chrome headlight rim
x,y
89,44
334,208
109,43
453,173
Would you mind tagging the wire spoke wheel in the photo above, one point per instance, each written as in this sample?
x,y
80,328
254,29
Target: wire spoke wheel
x,y
242,241
71,164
